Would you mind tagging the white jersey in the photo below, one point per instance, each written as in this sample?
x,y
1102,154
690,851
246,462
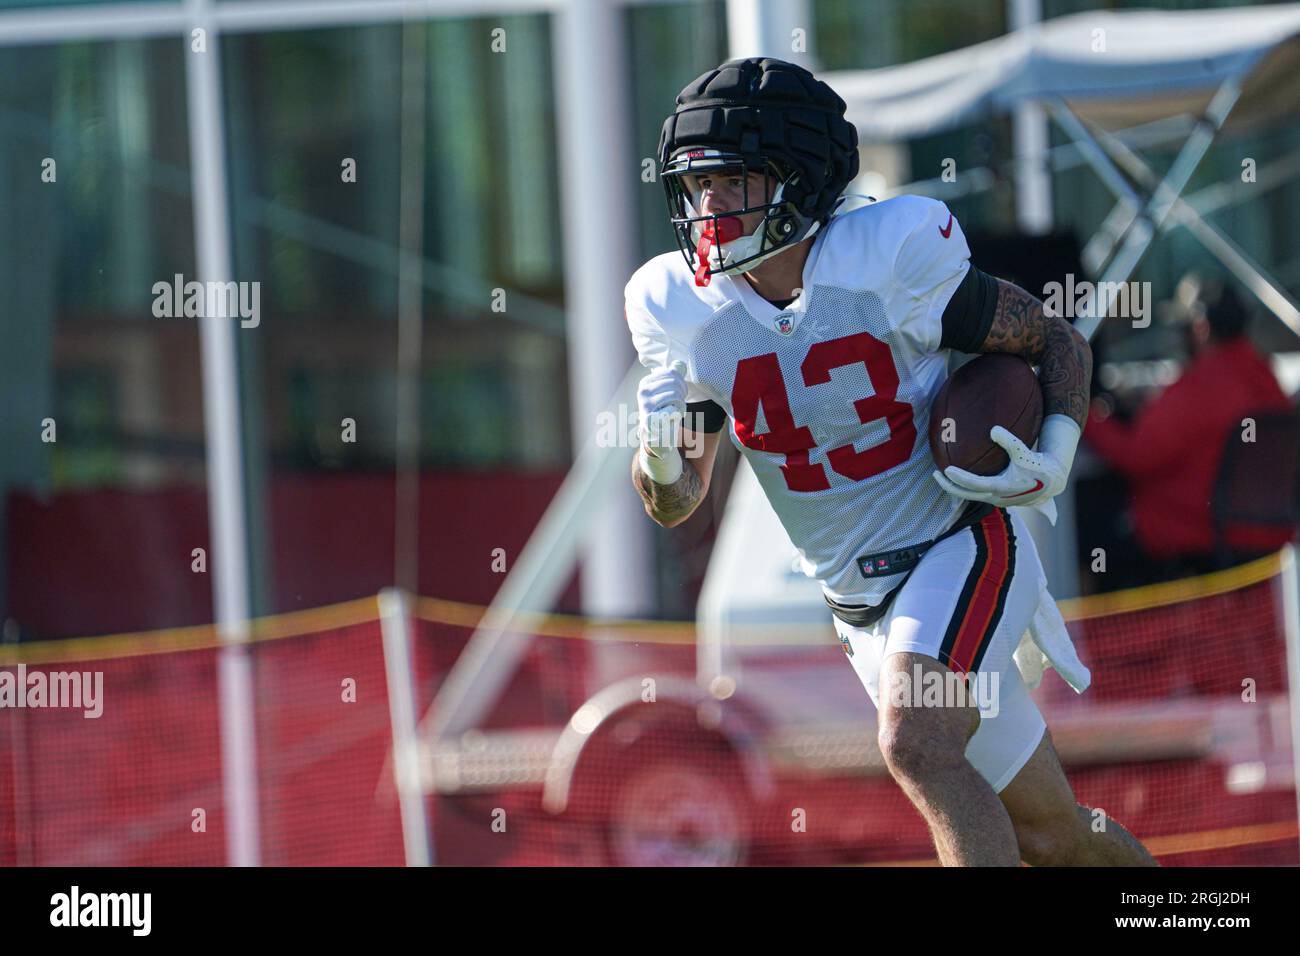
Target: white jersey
x,y
828,399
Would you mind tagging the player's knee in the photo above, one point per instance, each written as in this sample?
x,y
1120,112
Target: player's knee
x,y
1052,841
913,750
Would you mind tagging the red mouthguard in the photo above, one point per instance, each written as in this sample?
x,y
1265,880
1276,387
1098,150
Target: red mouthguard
x,y
729,228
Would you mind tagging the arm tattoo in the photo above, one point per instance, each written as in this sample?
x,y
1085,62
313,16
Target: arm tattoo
x,y
1062,354
668,504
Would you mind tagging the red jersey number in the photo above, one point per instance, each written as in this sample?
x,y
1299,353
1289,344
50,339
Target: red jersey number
x,y
759,381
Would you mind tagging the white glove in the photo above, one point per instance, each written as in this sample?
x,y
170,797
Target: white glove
x,y
661,397
1031,479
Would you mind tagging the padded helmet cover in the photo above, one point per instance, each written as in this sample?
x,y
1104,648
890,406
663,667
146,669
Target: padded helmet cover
x,y
765,109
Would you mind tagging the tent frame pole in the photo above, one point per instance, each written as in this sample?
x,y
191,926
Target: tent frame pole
x,y
1159,202
1263,285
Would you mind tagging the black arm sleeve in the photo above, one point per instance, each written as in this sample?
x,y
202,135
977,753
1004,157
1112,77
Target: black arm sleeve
x,y
714,416
969,313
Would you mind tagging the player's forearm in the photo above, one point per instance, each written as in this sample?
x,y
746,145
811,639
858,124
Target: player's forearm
x,y
669,504
1063,355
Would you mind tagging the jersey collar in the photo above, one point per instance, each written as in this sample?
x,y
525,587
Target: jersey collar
x,y
764,312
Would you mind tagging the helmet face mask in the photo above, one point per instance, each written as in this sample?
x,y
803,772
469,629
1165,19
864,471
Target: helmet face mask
x,y
717,243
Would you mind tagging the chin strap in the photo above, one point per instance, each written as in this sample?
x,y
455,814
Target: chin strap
x,y
701,272
729,228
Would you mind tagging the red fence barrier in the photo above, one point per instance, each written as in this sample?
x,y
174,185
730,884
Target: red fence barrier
x,y
606,750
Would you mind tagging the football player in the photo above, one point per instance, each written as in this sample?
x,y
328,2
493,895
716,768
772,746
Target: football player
x,y
821,336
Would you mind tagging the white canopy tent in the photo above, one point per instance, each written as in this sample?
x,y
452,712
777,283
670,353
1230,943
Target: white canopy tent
x,y
1115,69
1101,73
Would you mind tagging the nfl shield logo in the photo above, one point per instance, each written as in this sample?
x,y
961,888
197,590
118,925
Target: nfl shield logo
x,y
784,324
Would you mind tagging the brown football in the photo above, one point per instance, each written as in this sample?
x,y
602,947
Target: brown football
x,y
991,389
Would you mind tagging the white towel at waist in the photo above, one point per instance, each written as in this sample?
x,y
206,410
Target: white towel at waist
x,y
1047,642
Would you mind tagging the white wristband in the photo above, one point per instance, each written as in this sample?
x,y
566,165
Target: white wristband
x,y
663,471
1059,438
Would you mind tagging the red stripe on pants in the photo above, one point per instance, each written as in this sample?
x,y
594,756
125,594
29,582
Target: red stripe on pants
x,y
979,612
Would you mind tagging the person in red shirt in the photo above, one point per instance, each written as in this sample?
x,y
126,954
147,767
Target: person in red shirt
x,y
1171,452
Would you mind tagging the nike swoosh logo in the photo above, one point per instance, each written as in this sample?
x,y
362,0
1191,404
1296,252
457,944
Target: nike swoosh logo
x,y
1038,483
946,231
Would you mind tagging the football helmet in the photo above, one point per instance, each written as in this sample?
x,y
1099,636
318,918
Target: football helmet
x,y
755,115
